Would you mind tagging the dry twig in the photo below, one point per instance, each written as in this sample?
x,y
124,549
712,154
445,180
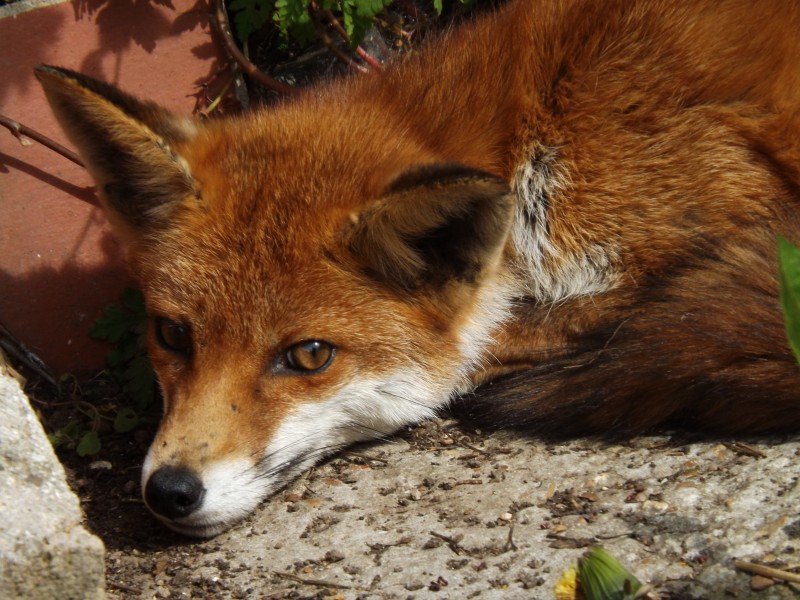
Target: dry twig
x,y
314,582
362,54
21,132
766,571
313,12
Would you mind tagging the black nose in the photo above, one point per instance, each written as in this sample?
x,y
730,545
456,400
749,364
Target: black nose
x,y
174,492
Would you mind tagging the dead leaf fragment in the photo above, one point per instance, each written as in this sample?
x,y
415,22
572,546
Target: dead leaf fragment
x,y
759,582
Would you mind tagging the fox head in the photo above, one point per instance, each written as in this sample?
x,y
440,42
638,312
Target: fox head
x,y
314,276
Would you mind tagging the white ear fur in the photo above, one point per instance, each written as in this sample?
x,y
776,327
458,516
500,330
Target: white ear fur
x,y
127,146
434,225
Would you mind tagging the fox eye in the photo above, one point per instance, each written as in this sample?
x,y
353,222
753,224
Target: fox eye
x,y
173,336
310,356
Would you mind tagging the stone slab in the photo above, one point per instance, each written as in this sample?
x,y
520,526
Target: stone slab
x,y
45,553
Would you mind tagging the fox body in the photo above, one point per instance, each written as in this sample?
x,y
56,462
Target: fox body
x,y
562,214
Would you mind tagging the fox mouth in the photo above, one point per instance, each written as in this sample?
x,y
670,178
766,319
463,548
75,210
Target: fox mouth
x,y
213,514
203,504
200,529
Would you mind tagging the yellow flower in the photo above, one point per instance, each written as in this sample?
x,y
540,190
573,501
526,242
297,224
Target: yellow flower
x,y
567,585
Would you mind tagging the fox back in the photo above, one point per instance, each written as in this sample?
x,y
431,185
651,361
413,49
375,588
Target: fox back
x,y
563,215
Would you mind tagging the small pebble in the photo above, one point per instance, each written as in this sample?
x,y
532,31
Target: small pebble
x,y
333,556
655,505
758,583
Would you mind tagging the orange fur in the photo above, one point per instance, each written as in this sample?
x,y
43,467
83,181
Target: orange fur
x,y
569,208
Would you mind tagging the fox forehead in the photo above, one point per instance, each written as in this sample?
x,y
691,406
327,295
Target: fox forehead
x,y
274,226
321,156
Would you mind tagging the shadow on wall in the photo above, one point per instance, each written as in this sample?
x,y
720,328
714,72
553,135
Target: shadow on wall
x,y
63,302
119,26
16,77
59,265
85,194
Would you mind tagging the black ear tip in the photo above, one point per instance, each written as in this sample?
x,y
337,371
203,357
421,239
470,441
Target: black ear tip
x,y
44,72
52,72
49,70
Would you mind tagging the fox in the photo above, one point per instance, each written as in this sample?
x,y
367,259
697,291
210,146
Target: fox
x,y
559,217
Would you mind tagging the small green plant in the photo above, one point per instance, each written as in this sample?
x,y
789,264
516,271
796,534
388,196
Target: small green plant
x,y
123,326
292,19
600,576
789,270
86,443
88,420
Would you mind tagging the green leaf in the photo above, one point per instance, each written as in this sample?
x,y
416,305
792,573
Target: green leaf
x,y
139,381
250,16
128,363
789,272
302,30
369,8
437,4
133,300
289,12
70,430
89,444
128,352
601,577
110,327
114,358
357,17
126,420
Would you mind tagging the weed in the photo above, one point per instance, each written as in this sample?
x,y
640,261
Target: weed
x,y
789,259
123,326
292,19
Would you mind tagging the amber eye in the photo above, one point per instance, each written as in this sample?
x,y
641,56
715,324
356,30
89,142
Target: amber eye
x,y
173,336
311,356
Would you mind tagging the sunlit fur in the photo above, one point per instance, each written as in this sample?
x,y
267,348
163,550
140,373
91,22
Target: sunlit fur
x,y
560,214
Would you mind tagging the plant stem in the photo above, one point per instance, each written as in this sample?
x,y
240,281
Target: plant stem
x,y
20,131
220,20
363,54
15,348
313,11
214,103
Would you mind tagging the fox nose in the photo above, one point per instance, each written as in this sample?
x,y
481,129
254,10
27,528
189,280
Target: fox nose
x,y
174,492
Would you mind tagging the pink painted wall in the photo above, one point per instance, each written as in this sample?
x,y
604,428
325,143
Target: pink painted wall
x,y
59,266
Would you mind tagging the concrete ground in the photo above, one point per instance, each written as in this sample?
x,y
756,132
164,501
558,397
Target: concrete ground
x,y
440,512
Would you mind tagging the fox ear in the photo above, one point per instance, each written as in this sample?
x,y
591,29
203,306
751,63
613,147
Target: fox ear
x,y
434,225
127,146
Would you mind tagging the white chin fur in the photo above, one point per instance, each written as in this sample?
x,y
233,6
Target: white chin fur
x,y
362,410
